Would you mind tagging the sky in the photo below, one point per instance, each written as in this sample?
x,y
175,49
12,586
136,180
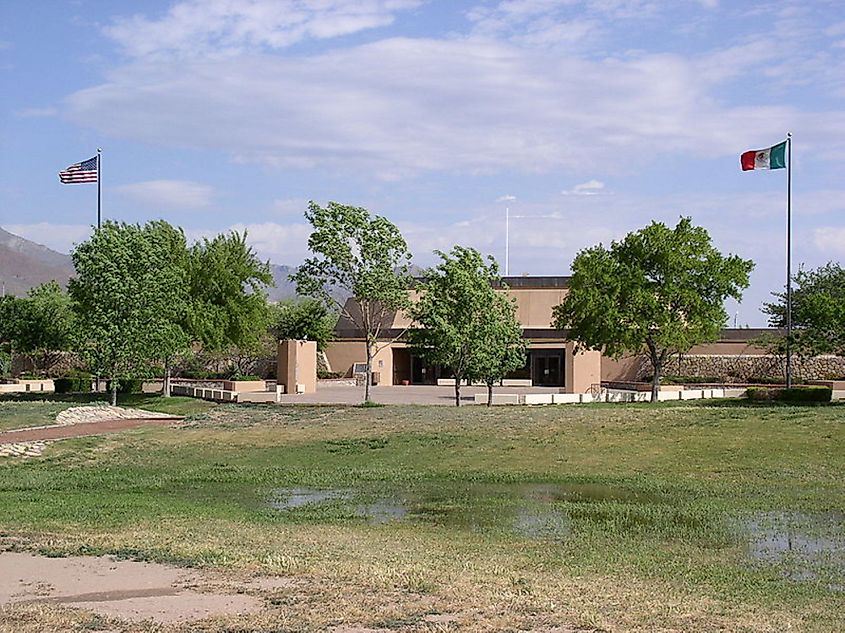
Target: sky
x,y
582,119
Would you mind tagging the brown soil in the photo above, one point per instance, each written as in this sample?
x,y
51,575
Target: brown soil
x,y
80,430
122,589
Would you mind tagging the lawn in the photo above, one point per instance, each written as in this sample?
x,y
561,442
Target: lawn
x,y
23,410
673,517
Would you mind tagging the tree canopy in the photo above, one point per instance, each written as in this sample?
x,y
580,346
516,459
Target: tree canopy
x,y
462,323
818,310
43,325
367,257
305,319
128,293
659,290
228,294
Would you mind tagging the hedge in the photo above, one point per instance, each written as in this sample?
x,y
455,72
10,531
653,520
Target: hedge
x,y
803,393
127,385
73,383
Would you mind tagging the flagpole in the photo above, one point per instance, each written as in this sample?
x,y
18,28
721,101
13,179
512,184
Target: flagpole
x,y
507,239
789,260
99,184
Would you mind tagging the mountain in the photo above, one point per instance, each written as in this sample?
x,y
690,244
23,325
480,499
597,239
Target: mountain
x,y
285,288
25,264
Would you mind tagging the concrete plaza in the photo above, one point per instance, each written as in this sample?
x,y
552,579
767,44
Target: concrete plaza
x,y
411,394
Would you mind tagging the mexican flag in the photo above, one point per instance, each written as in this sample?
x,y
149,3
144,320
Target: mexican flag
x,y
772,158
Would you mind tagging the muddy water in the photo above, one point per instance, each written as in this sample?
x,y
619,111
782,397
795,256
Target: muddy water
x,y
804,546
529,510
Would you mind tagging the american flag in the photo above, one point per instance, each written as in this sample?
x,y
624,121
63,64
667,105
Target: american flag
x,y
86,171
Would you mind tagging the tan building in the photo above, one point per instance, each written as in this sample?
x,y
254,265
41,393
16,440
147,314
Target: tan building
x,y
551,361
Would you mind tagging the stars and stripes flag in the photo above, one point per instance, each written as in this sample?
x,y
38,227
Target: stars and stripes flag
x,y
86,171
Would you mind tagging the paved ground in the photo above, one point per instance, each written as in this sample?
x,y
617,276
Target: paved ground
x,y
79,430
412,394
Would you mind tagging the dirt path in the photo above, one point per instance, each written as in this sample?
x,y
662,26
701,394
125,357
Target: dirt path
x,y
80,430
123,589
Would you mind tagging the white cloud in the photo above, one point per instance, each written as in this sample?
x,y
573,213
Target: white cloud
x,y
280,243
290,206
589,188
169,194
223,27
400,106
830,240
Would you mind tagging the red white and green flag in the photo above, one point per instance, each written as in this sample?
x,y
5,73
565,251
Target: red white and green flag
x,y
772,158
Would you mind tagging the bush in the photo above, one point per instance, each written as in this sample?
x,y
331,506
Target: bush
x,y
76,382
323,375
765,380
204,374
247,377
689,380
801,394
127,386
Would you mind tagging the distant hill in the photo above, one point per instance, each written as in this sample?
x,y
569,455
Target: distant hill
x,y
285,289
25,264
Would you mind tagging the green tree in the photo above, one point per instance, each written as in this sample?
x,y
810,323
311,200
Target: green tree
x,y
8,324
659,291
229,311
127,293
462,323
305,319
500,348
364,256
172,337
48,325
41,325
818,311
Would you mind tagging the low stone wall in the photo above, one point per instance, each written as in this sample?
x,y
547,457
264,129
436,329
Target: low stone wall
x,y
741,368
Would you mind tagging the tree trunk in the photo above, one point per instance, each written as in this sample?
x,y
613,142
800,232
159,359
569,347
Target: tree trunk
x,y
166,386
369,379
457,391
655,383
489,393
656,364
113,391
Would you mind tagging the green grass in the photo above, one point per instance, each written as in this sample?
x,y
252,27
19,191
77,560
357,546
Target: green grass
x,y
609,516
21,410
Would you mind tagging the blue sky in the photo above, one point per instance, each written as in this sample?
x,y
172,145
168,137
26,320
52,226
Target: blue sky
x,y
587,118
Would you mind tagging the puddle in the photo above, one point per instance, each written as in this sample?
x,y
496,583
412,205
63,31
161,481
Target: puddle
x,y
806,546
542,524
290,498
536,511
382,511
586,493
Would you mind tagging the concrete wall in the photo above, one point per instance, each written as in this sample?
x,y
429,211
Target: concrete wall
x,y
582,369
343,355
534,305
296,364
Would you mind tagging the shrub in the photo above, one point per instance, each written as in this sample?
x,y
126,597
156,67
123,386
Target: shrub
x,y
127,386
74,382
670,379
323,375
801,394
765,380
247,377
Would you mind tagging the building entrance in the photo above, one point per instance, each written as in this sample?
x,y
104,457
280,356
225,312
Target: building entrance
x,y
547,368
